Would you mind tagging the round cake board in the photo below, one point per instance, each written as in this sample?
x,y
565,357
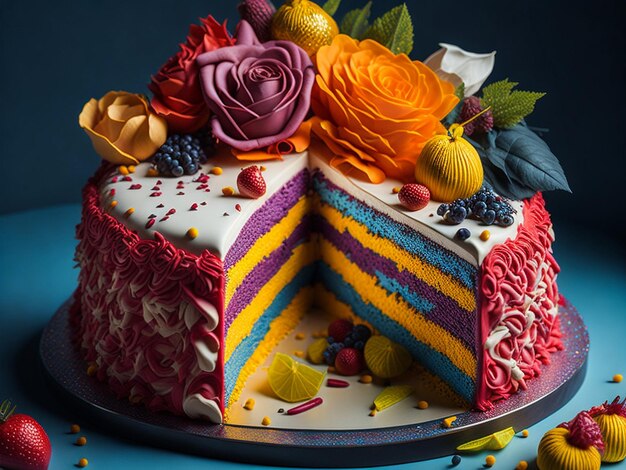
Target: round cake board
x,y
424,438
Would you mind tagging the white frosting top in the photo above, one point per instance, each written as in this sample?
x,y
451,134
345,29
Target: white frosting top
x,y
178,204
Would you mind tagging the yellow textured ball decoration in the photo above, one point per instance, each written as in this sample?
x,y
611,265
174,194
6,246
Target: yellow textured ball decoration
x,y
449,166
304,23
556,453
613,428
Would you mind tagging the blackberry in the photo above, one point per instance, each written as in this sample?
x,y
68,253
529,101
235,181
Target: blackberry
x,y
179,155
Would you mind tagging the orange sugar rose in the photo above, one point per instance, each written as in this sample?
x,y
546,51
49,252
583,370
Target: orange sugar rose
x,y
375,110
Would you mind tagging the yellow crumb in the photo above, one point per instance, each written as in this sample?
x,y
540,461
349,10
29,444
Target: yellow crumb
x,y
484,235
366,379
152,172
91,371
396,189
320,334
216,170
331,369
228,191
81,441
192,233
522,465
525,433
113,204
123,169
300,354
447,423
422,404
373,412
262,168
490,461
82,463
300,336
129,212
266,421
131,168
617,378
249,405
74,428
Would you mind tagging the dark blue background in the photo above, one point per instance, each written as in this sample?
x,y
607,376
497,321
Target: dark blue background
x,y
57,55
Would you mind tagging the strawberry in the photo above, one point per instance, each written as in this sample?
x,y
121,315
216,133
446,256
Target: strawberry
x,y
349,361
339,329
250,182
414,196
24,444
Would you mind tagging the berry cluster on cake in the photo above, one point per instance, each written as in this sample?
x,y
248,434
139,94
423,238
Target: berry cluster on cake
x,y
300,163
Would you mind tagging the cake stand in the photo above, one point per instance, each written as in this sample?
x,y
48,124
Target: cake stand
x,y
347,447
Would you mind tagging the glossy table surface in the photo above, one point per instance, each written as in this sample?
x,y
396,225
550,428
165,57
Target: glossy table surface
x,y
37,276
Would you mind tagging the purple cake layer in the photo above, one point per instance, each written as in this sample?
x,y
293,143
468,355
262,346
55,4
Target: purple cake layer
x,y
445,312
274,209
264,271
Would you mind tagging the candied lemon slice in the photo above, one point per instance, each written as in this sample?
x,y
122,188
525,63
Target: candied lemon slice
x,y
315,351
392,395
293,381
497,440
385,358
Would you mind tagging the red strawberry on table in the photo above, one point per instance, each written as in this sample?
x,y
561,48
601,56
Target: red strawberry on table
x,y
414,196
24,445
349,361
250,182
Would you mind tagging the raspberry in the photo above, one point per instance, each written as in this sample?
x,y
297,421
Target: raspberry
x,y
339,329
349,361
471,107
414,196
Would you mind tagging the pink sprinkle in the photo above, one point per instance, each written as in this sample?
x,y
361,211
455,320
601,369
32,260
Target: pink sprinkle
x,y
160,206
207,190
114,179
171,211
135,186
203,203
164,219
180,193
155,188
193,207
202,178
155,194
127,178
336,383
238,207
151,216
112,192
202,186
305,406
150,223
159,182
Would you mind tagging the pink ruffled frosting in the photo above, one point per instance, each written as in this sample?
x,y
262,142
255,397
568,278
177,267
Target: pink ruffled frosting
x,y
519,304
147,313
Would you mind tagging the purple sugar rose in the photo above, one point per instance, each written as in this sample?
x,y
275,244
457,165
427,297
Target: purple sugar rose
x,y
259,93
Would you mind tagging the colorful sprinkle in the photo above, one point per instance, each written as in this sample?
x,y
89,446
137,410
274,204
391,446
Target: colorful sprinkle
x,y
159,182
135,186
171,211
396,189
155,194
92,369
300,336
238,207
192,233
522,465
127,178
129,212
114,179
490,461
152,172
122,169
180,193
202,186
262,168
617,378
216,170
113,204
422,404
484,235
160,206
525,433
202,178
305,406
74,429
82,463
149,223
373,412
366,379
266,421
151,216
131,168
280,410
336,383
112,192
203,203
155,188
194,207
300,354
81,441
228,191
249,405
456,459
225,214
447,423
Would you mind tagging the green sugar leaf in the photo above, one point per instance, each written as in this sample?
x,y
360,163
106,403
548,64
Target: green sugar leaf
x,y
518,163
393,30
460,91
331,6
355,22
508,106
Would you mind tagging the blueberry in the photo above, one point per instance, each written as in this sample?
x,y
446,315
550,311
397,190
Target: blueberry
x,y
456,459
442,209
489,217
178,171
362,332
506,220
463,234
479,209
